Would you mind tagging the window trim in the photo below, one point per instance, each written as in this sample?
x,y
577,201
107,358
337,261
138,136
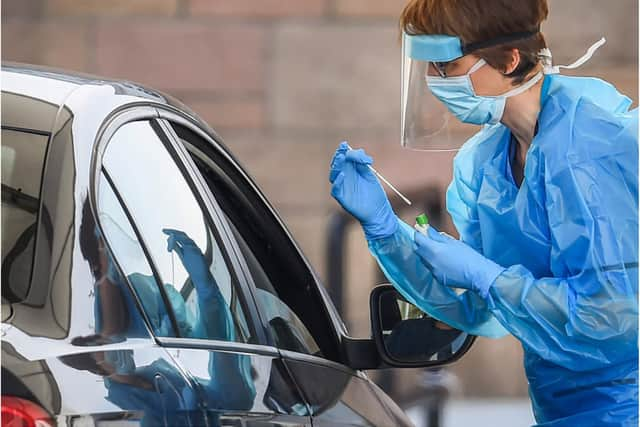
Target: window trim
x,y
171,115
207,344
14,299
147,112
321,361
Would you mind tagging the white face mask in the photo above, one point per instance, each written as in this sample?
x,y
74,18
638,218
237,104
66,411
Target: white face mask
x,y
458,94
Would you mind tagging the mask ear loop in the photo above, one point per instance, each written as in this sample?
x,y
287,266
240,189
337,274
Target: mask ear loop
x,y
547,59
523,87
481,63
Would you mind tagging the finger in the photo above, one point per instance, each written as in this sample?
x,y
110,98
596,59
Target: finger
x,y
425,246
359,156
353,175
173,240
336,166
177,234
337,161
337,189
421,240
342,149
171,243
175,247
423,253
436,235
365,171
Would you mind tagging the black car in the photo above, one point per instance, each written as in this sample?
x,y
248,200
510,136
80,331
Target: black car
x,y
147,281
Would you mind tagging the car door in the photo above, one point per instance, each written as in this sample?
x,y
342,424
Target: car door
x,y
211,329
74,345
136,379
295,312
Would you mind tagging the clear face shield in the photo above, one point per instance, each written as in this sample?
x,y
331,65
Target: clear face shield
x,y
426,122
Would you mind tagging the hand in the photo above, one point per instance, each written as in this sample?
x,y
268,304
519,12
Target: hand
x,y
455,263
192,259
359,192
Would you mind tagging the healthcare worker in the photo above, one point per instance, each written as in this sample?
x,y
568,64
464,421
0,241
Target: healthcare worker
x,y
544,197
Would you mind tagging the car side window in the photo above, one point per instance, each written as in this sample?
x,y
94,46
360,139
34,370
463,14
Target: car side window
x,y
286,327
127,250
172,225
287,293
23,156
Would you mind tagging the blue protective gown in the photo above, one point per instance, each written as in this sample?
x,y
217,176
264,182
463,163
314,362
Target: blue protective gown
x,y
568,237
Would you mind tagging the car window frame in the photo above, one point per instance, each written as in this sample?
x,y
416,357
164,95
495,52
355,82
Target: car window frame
x,y
13,298
147,112
335,323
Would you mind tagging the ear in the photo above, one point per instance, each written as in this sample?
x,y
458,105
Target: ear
x,y
514,61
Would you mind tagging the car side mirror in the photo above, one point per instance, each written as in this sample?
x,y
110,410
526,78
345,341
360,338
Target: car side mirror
x,y
407,337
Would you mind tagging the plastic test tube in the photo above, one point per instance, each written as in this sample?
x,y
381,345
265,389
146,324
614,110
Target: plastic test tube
x,y
422,224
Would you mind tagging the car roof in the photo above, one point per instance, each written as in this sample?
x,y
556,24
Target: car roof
x,y
60,83
28,86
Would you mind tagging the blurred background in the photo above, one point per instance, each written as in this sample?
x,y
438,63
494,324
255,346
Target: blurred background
x,y
283,82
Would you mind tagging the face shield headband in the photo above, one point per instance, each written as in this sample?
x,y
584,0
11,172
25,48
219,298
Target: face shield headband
x,y
444,48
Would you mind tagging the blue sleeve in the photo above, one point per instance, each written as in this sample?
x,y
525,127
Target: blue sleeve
x,y
214,315
402,266
397,259
589,309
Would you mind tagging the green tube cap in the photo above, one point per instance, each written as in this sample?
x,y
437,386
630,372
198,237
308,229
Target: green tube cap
x,y
422,219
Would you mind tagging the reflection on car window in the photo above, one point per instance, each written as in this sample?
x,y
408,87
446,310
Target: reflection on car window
x,y
130,255
190,263
111,308
288,330
287,292
23,155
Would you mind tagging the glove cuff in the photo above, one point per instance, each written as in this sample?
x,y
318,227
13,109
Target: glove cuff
x,y
486,277
385,225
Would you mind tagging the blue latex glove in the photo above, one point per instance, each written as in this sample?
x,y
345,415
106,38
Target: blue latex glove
x,y
214,319
455,263
359,192
193,261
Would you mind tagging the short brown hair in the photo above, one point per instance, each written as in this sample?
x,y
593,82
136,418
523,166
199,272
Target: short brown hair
x,y
475,21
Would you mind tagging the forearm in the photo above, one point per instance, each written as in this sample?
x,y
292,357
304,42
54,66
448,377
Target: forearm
x,y
561,317
214,313
404,269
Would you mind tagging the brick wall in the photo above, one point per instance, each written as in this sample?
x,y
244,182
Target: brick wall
x,y
283,81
